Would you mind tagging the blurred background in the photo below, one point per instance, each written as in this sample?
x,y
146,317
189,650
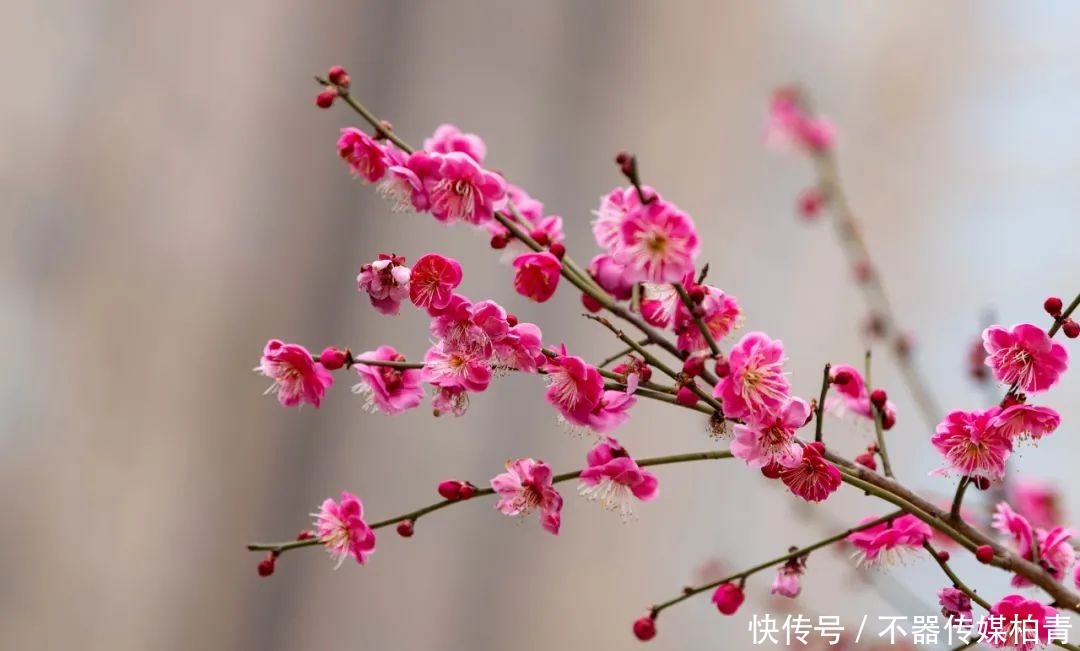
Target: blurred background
x,y
173,199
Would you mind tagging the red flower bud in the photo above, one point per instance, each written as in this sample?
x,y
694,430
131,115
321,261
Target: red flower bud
x,y
338,76
878,398
405,528
984,553
326,98
1053,306
557,249
694,366
723,369
266,565
982,483
686,397
451,489
305,535
511,320
644,626
590,303
943,556
697,293
622,158
1071,329
499,241
867,459
332,358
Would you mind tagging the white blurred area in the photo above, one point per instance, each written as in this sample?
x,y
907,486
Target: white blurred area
x,y
173,199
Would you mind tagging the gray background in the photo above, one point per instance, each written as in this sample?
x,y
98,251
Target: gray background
x,y
173,199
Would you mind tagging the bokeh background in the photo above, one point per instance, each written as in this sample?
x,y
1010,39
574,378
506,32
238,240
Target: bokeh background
x,y
172,199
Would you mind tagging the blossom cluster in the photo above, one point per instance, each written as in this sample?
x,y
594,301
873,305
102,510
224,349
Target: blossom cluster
x,y
648,273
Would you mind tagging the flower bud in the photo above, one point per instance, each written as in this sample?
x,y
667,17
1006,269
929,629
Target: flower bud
x,y
694,366
686,397
723,369
1053,306
645,628
405,528
943,555
499,241
866,459
697,293
728,597
878,398
455,489
305,535
326,98
266,565
558,249
338,76
333,358
590,303
985,554
1071,329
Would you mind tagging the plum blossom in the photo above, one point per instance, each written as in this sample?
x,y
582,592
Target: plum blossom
x,y
574,387
887,542
407,180
756,384
297,377
658,243
450,400
537,275
465,191
366,158
1014,622
614,479
611,411
389,390
386,281
1021,421
525,487
955,604
789,124
522,348
810,476
607,227
342,530
612,277
1024,355
788,581
461,367
721,316
771,439
1056,552
448,138
432,281
850,394
972,445
660,302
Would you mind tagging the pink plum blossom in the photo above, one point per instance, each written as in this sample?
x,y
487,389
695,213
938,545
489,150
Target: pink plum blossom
x,y
389,390
525,487
850,394
574,387
611,276
1056,552
955,604
1022,421
1025,355
612,410
886,543
366,158
810,476
788,581
659,243
465,191
972,445
297,377
756,384
456,368
660,302
522,348
455,324
790,125
721,316
448,138
450,400
386,281
432,281
407,180
1014,622
342,530
607,227
614,479
537,275
771,439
